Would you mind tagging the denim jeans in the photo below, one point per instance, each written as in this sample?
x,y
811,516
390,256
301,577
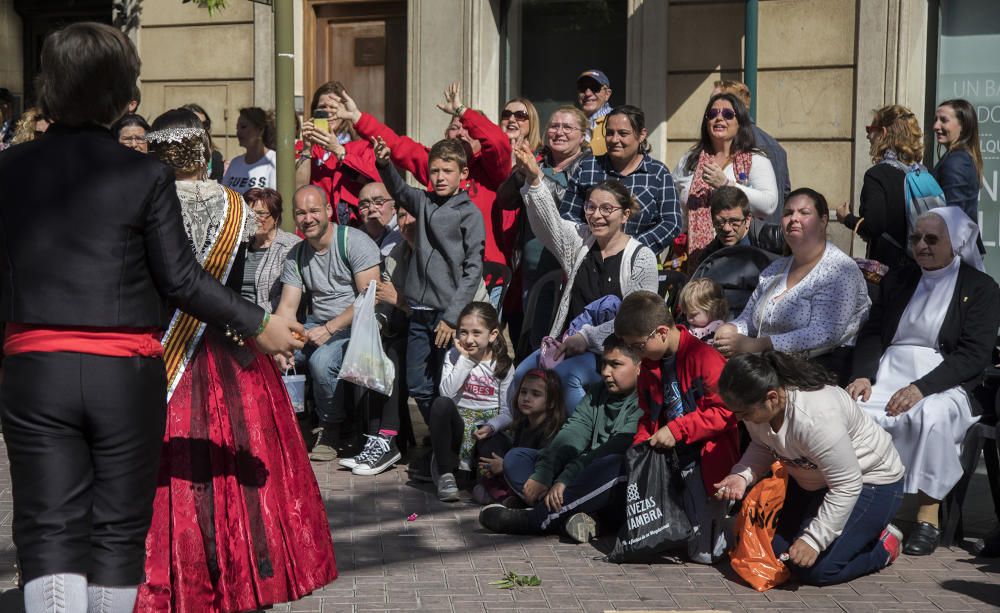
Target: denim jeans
x,y
857,550
518,464
576,373
324,364
423,360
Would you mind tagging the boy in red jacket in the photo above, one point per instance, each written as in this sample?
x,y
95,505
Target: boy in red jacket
x,y
682,410
488,151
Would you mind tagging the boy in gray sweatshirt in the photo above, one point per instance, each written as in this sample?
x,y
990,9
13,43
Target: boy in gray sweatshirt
x,y
446,268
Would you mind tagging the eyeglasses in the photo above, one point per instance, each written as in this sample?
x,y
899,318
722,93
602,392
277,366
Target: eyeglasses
x,y
135,140
373,202
518,115
605,209
262,215
929,239
727,114
562,127
640,347
723,222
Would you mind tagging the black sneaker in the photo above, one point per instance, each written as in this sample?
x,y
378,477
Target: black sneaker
x,y
499,518
379,454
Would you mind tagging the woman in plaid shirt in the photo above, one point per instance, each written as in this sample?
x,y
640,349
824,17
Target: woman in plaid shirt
x,y
628,161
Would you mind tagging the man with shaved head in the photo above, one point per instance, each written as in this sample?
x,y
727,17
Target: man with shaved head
x,y
332,266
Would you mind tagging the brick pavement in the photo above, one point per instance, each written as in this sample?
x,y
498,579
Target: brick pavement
x,y
443,562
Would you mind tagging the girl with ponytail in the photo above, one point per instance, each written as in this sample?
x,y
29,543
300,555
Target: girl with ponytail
x,y
845,478
473,402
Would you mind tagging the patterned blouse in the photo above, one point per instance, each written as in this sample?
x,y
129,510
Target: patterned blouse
x,y
822,312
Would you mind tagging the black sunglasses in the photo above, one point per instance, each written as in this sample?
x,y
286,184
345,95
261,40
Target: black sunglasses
x,y
518,115
727,114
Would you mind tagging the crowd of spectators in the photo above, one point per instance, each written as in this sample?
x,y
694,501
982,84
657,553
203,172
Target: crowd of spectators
x,y
768,324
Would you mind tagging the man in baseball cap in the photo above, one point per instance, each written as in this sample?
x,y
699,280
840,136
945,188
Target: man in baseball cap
x,y
593,92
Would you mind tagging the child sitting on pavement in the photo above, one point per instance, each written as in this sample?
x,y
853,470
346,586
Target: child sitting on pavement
x,y
473,402
580,473
539,416
682,410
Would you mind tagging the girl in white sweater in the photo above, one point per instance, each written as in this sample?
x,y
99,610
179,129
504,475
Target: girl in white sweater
x,y
845,479
473,403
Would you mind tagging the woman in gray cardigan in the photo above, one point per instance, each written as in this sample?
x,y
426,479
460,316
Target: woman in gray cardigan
x,y
599,260
268,249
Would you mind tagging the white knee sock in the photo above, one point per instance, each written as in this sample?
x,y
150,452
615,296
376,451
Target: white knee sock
x,y
63,593
105,599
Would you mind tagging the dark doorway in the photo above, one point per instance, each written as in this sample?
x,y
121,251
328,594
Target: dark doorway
x,y
40,17
362,45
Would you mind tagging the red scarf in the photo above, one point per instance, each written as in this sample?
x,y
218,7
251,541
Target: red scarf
x,y
700,228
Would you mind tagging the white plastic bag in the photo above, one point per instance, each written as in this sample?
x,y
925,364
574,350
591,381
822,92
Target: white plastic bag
x,y
365,362
296,386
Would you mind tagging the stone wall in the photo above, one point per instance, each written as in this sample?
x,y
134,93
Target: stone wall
x,y
223,62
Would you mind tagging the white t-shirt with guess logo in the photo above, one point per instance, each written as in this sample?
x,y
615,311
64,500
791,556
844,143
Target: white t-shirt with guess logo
x,y
242,176
474,385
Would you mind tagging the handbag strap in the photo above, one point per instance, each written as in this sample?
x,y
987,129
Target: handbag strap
x,y
854,235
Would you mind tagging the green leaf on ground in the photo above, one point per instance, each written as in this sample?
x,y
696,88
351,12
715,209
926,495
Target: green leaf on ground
x,y
512,580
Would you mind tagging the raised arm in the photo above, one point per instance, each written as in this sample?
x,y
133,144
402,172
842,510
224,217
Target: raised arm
x,y
406,153
496,150
560,236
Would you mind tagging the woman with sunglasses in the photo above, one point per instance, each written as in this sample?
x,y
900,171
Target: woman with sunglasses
x,y
599,260
896,142
519,120
921,354
725,154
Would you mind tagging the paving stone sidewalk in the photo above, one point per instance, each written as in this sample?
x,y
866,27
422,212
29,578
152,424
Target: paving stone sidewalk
x,y
443,562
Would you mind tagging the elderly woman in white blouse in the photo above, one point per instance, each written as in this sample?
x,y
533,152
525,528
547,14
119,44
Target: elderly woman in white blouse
x,y
725,154
922,352
599,260
812,302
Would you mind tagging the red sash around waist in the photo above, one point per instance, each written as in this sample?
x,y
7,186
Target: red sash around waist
x,y
112,342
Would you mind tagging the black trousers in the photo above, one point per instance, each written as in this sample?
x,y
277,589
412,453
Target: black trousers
x,y
83,436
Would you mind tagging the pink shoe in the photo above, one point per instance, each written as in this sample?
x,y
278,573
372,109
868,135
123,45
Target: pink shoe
x,y
891,539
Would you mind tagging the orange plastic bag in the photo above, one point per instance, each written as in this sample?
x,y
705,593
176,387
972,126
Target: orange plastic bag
x,y
753,558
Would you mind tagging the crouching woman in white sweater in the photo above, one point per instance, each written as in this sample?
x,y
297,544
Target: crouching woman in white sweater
x,y
845,479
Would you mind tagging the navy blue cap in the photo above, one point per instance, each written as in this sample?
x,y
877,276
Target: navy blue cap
x,y
596,75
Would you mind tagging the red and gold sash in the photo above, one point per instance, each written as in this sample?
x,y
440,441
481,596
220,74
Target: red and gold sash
x,y
184,332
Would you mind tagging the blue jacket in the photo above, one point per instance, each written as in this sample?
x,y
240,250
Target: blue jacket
x,y
956,174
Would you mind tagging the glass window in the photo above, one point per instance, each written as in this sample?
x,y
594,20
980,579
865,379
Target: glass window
x,y
550,42
968,48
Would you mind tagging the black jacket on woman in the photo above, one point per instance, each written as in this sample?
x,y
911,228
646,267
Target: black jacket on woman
x,y
91,235
965,341
883,207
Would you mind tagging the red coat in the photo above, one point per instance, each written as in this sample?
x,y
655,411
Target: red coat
x,y
487,170
706,419
342,180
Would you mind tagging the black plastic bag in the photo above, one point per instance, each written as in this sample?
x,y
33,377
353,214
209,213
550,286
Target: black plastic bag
x,y
654,508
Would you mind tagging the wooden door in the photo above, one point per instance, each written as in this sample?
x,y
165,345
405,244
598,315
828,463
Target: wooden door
x,y
362,45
